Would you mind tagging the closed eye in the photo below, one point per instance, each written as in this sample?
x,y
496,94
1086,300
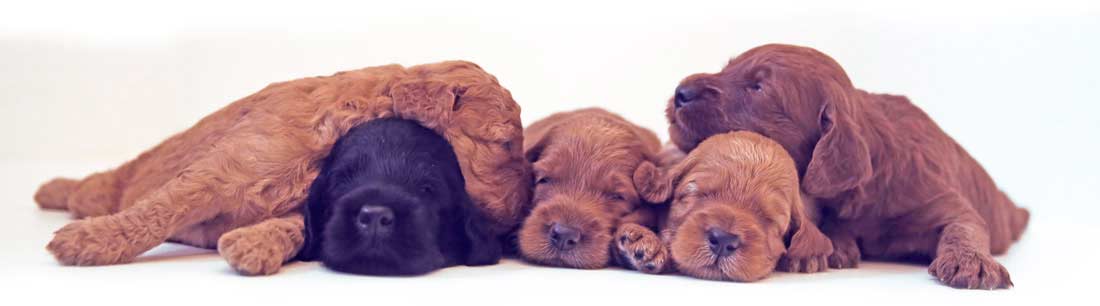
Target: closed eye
x,y
615,197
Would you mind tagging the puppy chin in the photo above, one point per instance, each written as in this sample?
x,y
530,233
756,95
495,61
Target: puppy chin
x,y
691,124
346,249
751,260
379,259
590,252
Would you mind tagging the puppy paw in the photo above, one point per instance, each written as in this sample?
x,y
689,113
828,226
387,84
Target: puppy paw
x,y
969,270
845,254
55,193
250,253
89,243
640,249
803,264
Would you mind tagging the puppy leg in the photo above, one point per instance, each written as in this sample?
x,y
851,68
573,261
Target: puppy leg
x,y
55,193
96,195
962,256
121,237
845,249
808,252
639,248
261,249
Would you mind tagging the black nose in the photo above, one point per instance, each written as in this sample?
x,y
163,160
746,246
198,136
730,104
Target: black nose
x,y
722,243
375,218
564,237
685,94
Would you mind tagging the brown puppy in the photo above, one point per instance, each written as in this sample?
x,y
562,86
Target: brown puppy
x,y
736,212
584,162
891,183
237,179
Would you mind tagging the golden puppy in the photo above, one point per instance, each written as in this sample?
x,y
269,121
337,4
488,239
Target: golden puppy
x,y
237,179
736,211
583,162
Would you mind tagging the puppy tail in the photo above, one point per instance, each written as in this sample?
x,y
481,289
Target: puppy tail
x,y
55,193
1020,219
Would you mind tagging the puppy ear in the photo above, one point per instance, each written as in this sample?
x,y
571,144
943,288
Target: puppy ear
x,y
841,160
429,102
670,155
653,184
805,238
314,216
482,247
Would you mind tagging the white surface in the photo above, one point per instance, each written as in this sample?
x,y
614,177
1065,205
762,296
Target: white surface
x,y
86,86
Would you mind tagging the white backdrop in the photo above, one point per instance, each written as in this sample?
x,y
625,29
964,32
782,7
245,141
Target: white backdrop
x,y
87,85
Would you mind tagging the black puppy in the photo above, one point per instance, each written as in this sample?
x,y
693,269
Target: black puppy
x,y
391,200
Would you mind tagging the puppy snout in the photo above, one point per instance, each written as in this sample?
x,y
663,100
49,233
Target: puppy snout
x,y
564,237
722,243
375,219
686,94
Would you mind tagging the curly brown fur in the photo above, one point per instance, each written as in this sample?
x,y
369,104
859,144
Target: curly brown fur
x,y
247,166
891,183
583,162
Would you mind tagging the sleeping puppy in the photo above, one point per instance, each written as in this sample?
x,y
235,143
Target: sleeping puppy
x,y
584,162
736,212
391,200
891,183
237,179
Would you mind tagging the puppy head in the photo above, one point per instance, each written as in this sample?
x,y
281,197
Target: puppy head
x,y
797,96
390,200
479,118
735,204
583,164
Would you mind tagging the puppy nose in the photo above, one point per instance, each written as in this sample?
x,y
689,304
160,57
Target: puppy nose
x,y
377,217
564,237
722,243
686,94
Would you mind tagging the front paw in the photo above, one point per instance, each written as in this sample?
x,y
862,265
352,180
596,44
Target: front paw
x,y
970,270
88,243
845,254
803,264
640,249
250,253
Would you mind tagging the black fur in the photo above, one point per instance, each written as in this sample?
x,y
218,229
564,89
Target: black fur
x,y
411,170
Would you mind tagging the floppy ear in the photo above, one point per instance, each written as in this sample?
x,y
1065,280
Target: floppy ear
x,y
314,215
482,247
805,238
429,102
653,184
670,155
841,160
533,150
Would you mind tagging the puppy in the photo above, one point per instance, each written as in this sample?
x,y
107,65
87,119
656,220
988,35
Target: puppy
x,y
237,178
736,212
584,163
891,183
391,200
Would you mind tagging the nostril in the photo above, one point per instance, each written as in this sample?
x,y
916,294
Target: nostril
x,y
375,216
563,237
722,243
686,94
